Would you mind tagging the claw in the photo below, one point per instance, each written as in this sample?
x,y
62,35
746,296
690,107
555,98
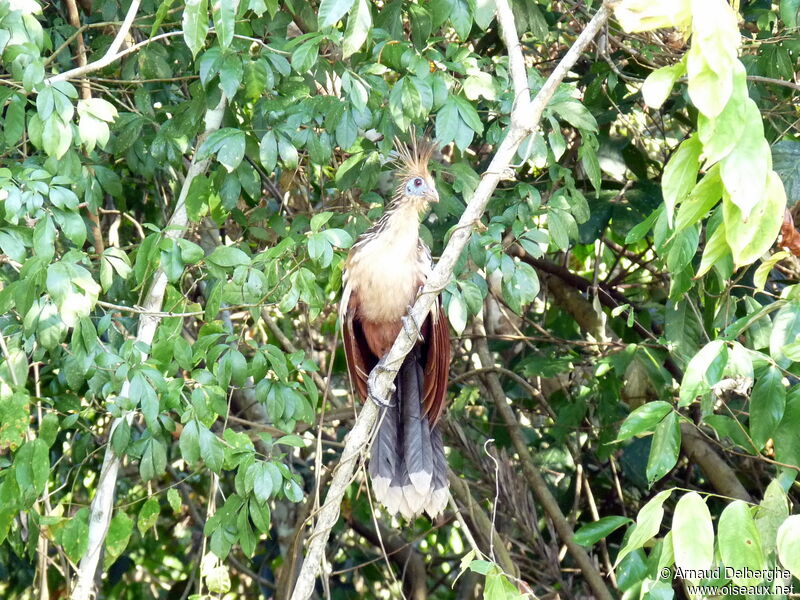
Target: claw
x,y
411,327
380,401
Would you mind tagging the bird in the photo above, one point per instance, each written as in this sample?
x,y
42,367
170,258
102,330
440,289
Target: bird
x,y
383,273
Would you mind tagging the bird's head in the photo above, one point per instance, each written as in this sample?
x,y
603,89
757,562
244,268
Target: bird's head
x,y
415,182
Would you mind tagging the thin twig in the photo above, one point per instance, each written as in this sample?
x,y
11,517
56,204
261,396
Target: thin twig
x,y
75,20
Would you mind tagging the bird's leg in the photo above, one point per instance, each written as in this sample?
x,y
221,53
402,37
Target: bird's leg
x,y
411,327
381,368
380,401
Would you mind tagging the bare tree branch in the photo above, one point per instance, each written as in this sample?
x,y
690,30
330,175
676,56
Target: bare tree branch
x,y
103,503
111,54
525,118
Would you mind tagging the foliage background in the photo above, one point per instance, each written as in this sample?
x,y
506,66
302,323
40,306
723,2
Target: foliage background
x,y
590,304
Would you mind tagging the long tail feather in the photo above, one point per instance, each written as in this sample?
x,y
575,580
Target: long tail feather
x,y
439,485
385,453
408,467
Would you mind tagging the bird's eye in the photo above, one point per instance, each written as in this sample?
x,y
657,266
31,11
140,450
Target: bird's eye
x,y
418,182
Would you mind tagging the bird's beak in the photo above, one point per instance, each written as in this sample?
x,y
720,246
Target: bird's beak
x,y
433,195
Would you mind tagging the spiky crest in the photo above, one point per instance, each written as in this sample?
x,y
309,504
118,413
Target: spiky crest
x,y
412,160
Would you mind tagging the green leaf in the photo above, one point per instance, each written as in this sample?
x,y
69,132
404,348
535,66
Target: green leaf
x,y
461,17
75,535
338,238
223,13
318,220
680,173
692,533
305,55
230,75
218,580
767,403
765,268
709,88
291,440
772,512
161,14
745,170
749,237
739,540
721,133
228,144
260,514
14,121
358,26
648,522
715,252
665,448
292,491
288,153
479,84
790,10
447,122
268,151
591,533
190,442
211,450
154,460
228,256
643,419
332,11
484,13
56,136
32,466
48,429
113,260
640,230
468,114
457,312
684,247
576,114
785,330
148,515
703,197
786,162
195,24
14,418
119,532
788,544
704,370
658,85
174,499
98,108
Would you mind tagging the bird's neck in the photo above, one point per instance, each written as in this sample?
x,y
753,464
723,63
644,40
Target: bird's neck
x,y
402,221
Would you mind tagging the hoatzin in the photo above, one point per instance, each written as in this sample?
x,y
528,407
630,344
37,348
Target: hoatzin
x,y
386,268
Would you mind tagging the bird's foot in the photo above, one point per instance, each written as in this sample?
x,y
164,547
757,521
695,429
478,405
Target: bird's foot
x,y
381,402
411,327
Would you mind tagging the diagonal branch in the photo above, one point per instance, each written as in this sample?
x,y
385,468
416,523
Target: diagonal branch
x,y
525,118
112,54
103,503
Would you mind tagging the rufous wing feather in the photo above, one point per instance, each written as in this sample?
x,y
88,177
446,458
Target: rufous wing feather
x,y
437,363
360,360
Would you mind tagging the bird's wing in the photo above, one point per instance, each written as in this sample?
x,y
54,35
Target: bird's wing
x,y
437,362
360,359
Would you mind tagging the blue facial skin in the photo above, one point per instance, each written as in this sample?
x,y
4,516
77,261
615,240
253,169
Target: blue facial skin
x,y
416,187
